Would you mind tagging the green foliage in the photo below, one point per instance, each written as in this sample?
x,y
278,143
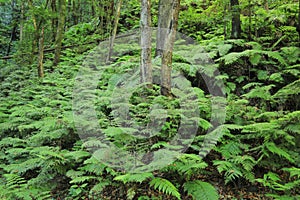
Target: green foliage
x,y
138,178
165,186
201,190
42,157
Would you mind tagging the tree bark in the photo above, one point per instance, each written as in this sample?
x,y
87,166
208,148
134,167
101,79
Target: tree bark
x,y
225,20
60,31
36,36
13,34
41,55
114,32
74,12
250,20
146,67
54,20
298,25
266,5
236,21
169,39
22,20
164,19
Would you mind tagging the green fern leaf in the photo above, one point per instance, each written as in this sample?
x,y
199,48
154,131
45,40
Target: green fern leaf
x,y
139,178
271,146
82,179
201,190
230,149
165,186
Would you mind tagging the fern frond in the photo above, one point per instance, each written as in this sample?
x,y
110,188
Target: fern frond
x,y
294,172
90,166
272,147
190,164
82,179
139,178
230,149
201,190
262,92
288,90
165,186
96,189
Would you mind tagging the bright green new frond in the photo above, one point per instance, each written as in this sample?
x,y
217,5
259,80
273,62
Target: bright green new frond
x,y
294,172
82,179
78,155
288,90
165,186
96,168
138,178
272,147
190,164
23,167
262,92
200,190
230,149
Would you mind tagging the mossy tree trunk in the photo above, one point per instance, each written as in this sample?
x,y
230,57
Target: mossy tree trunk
x,y
236,20
298,25
146,67
60,31
41,54
114,31
168,17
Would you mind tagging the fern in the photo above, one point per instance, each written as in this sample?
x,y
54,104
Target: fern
x,y
260,92
233,148
288,91
189,164
17,188
201,190
139,178
272,147
254,56
165,186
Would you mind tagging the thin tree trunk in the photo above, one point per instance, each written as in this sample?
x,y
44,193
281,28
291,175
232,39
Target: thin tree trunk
x,y
236,21
114,32
36,36
60,31
166,67
54,21
266,5
298,26
68,15
225,20
74,13
41,55
164,19
22,21
250,20
146,67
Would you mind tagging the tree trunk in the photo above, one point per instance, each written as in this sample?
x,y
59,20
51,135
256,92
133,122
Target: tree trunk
x,y
236,21
36,35
266,5
169,39
164,19
146,67
298,25
74,12
225,20
41,54
22,20
60,31
114,32
54,20
250,19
